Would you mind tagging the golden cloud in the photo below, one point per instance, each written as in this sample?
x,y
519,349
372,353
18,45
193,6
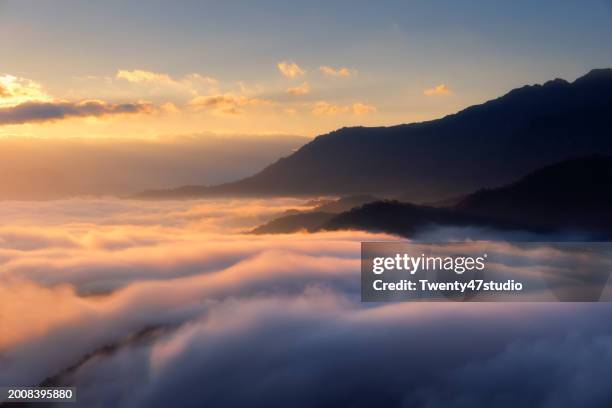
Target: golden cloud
x,y
290,69
226,103
4,93
189,83
337,72
139,75
441,89
170,107
324,108
15,90
360,108
300,90
208,80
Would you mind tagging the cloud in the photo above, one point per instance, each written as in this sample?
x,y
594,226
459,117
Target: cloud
x,y
290,69
143,76
99,239
337,72
308,341
32,112
162,85
170,107
139,75
226,104
197,78
363,109
4,92
437,90
321,108
15,90
324,108
278,318
300,90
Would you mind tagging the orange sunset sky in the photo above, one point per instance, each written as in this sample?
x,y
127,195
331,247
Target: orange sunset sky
x,y
118,70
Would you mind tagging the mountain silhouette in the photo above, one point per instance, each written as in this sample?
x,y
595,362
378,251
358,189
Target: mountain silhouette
x,y
574,194
571,196
481,146
407,219
311,221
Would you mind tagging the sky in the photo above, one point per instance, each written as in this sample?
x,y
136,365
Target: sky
x,y
149,70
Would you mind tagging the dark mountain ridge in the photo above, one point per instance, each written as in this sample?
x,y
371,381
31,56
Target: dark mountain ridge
x,y
483,145
573,196
312,220
407,219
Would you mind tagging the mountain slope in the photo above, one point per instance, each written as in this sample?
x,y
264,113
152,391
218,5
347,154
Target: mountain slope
x,y
314,219
483,145
308,221
571,194
407,219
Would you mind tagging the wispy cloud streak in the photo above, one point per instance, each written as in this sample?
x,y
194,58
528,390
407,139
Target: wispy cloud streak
x,y
31,112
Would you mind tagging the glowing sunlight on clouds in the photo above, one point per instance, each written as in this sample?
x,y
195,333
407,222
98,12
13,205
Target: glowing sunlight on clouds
x,y
139,75
15,91
437,90
299,90
322,108
326,108
362,108
290,69
226,104
145,104
143,76
134,303
337,72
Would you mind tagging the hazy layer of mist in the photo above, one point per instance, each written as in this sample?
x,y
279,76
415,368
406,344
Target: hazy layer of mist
x,y
51,168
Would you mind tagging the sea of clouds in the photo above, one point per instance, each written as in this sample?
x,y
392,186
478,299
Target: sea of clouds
x,y
160,304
